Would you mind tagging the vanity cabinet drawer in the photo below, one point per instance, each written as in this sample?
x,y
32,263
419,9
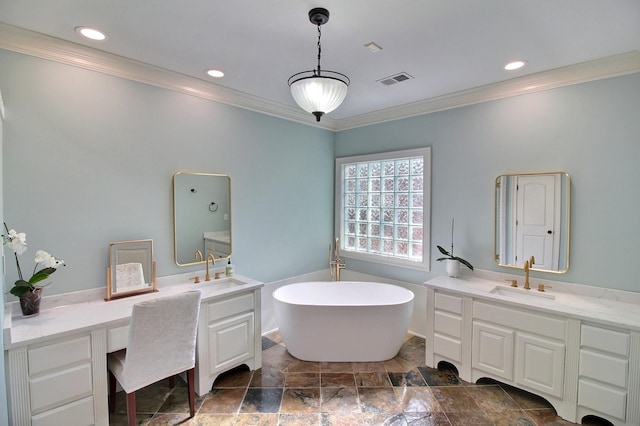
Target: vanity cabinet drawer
x,y
60,387
447,347
117,338
77,413
231,306
604,339
604,368
59,355
449,303
447,323
523,320
602,398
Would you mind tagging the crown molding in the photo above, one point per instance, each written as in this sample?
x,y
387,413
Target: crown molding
x,y
626,63
45,47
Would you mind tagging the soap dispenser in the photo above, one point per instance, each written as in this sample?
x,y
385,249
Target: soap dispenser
x,y
229,269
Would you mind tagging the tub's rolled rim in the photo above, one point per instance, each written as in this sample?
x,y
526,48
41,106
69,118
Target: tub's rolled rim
x,y
277,297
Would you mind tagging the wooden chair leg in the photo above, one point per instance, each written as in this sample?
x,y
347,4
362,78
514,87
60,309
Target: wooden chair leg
x,y
131,408
112,392
192,394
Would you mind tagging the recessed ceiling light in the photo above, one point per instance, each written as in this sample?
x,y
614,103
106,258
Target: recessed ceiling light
x,y
91,33
215,73
515,65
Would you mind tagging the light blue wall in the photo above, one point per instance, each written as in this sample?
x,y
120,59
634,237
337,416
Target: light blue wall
x,y
588,130
4,419
88,159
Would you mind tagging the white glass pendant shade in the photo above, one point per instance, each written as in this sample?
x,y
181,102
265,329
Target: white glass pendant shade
x,y
318,94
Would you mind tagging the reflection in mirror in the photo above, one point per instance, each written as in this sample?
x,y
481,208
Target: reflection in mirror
x,y
201,217
131,268
532,219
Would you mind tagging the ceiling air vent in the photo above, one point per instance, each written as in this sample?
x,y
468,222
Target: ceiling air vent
x,y
398,78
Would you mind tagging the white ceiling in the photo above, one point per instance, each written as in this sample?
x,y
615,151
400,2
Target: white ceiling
x,y
448,46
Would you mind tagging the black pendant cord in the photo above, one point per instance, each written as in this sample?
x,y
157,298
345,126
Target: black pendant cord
x,y
319,49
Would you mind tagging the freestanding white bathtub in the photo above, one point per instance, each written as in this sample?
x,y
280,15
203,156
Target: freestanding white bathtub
x,y
345,321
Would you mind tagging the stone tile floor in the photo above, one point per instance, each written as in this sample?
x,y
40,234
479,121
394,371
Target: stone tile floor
x,y
287,391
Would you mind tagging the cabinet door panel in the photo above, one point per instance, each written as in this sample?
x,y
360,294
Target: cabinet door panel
x,y
493,350
230,342
540,364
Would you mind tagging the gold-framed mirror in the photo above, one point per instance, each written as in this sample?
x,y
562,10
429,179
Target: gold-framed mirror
x,y
201,217
131,270
532,218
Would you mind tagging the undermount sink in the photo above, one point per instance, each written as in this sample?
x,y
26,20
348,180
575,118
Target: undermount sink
x,y
219,284
522,294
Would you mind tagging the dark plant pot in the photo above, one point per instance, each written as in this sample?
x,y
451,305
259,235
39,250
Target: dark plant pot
x,y
30,302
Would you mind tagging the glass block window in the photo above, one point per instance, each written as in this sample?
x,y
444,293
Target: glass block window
x,y
382,207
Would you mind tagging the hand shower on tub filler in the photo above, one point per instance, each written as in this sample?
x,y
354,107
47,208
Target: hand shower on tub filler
x,y
335,263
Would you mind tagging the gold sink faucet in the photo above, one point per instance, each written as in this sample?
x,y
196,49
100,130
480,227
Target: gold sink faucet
x,y
198,256
527,266
213,262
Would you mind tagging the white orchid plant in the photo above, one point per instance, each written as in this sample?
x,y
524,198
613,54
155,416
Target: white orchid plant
x,y
17,241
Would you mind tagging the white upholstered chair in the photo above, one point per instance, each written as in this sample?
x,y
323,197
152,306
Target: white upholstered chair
x,y
162,343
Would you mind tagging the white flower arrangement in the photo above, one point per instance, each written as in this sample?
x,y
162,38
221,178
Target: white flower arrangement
x,y
17,241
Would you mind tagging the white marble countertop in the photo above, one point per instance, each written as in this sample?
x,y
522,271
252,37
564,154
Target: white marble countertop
x,y
79,316
218,236
603,310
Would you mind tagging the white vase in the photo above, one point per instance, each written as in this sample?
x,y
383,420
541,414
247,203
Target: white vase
x,y
453,267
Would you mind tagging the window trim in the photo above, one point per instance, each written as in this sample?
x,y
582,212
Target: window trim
x,y
425,152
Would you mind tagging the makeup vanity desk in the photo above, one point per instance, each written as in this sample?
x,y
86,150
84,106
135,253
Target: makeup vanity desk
x,y
56,363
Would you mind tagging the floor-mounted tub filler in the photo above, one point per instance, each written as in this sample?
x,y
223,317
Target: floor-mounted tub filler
x,y
344,321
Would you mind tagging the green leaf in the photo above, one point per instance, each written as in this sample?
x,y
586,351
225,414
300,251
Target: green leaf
x,y
443,251
464,262
40,275
21,287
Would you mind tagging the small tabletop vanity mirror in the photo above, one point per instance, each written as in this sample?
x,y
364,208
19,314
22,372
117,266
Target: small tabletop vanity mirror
x,y
131,268
532,219
201,217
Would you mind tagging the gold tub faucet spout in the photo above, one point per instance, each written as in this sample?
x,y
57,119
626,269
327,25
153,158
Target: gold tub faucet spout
x,y
213,262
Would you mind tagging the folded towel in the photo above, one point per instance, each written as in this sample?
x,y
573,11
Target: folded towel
x,y
129,275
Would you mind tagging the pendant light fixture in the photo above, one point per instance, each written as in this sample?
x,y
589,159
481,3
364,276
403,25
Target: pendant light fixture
x,y
318,91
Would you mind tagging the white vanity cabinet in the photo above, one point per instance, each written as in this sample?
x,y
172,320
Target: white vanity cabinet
x,y
550,348
229,335
56,363
53,383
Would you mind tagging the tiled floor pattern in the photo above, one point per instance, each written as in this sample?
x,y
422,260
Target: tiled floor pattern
x,y
287,391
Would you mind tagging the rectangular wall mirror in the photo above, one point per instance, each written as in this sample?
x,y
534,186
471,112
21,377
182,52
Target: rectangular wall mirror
x,y
532,219
201,217
131,268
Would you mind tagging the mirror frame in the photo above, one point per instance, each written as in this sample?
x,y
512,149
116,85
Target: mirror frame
x,y
566,216
175,219
148,267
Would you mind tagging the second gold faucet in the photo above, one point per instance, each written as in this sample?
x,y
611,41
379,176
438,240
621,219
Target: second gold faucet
x,y
213,262
527,266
